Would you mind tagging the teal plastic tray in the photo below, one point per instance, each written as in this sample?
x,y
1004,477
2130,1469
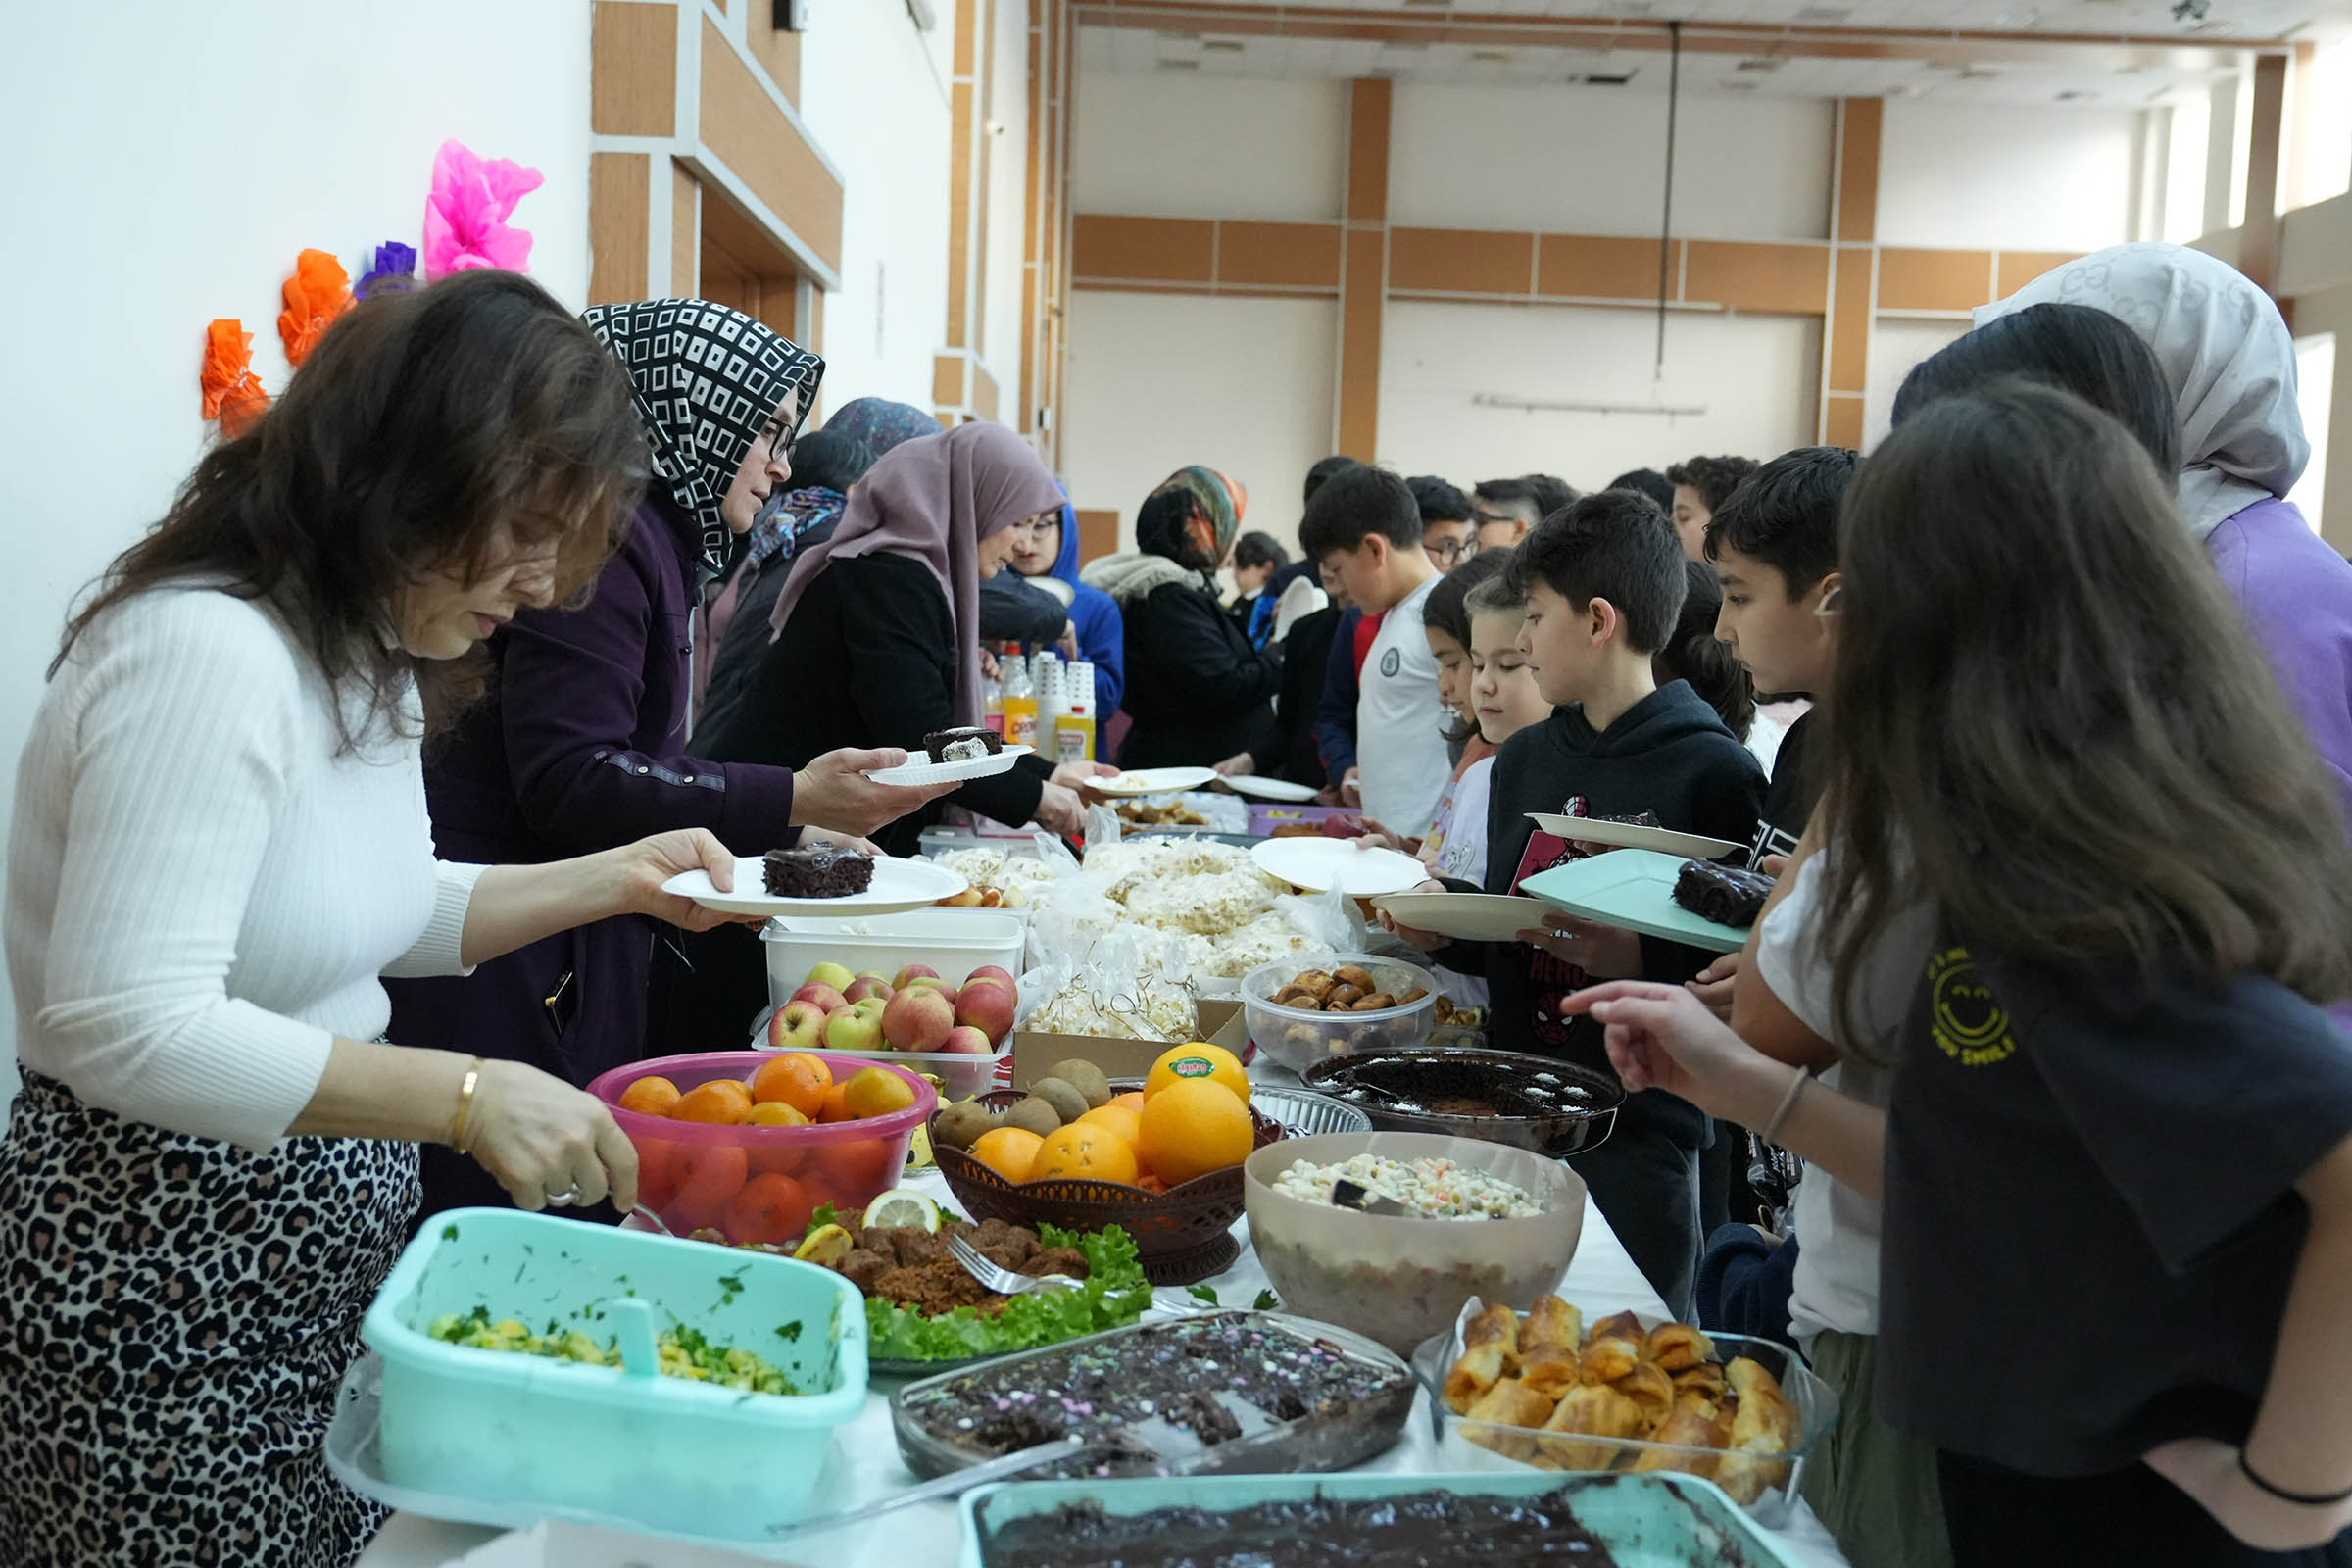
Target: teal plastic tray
x,y
1633,889
665,1453
1646,1521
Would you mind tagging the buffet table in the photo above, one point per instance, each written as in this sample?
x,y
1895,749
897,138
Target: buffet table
x,y
864,1464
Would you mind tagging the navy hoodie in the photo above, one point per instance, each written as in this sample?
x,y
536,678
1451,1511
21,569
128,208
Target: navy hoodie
x,y
1669,754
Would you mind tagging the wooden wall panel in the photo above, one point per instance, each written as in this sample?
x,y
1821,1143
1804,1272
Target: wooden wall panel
x,y
742,125
1600,267
947,381
1860,121
1362,300
1369,106
1167,250
1846,366
1097,533
1768,279
685,233
1933,281
2016,268
1460,261
778,51
634,69
1841,422
984,392
619,217
1278,255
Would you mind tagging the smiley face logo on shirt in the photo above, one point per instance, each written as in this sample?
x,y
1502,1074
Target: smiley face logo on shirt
x,y
1966,1018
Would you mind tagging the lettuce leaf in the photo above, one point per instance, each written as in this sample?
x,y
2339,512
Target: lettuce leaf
x,y
1114,1295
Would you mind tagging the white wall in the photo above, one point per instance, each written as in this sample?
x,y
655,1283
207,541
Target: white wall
x,y
1007,198
2053,179
1593,160
176,157
1181,146
1896,345
1757,375
1159,381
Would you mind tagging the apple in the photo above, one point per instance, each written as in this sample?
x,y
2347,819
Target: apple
x,y
825,998
931,982
836,975
987,1006
872,974
918,1019
854,1029
873,1005
965,1041
868,985
990,971
797,1026
911,973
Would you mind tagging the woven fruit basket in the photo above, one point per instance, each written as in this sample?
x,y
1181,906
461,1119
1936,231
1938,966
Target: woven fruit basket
x,y
1181,1236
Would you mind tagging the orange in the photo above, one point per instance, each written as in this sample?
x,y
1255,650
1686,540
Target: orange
x,y
654,1096
1196,1062
876,1092
770,1208
656,1172
1132,1099
1009,1151
1096,1154
709,1175
1116,1118
775,1161
1192,1127
836,1107
722,1100
853,1172
795,1079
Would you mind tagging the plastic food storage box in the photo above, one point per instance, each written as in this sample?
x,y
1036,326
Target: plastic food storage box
x,y
670,1454
954,941
1298,1039
692,1173
960,1076
1650,1521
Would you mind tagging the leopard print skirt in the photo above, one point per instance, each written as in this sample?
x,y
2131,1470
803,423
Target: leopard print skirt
x,y
176,1315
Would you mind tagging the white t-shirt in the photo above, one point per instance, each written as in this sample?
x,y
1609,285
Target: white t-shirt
x,y
1463,854
1399,728
1837,1279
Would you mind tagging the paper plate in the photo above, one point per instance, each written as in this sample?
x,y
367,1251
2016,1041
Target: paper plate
x,y
1321,865
1268,789
898,886
1633,836
922,770
1155,781
1465,916
1633,889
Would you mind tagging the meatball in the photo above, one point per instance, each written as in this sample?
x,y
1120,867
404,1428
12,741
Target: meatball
x,y
1057,1260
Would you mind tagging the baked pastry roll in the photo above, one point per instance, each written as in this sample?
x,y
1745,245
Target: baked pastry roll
x,y
1648,1387
1594,1410
1762,1427
1551,1370
1676,1347
1696,1423
1706,1379
1614,1349
1552,1321
1509,1403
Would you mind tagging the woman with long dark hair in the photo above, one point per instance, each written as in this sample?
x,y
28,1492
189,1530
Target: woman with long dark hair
x,y
219,843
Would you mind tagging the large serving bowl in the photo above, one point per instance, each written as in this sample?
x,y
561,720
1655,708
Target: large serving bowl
x,y
1298,1038
1538,1103
1400,1280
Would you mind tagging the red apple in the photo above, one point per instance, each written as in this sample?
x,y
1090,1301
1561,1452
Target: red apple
x,y
932,982
836,975
825,998
911,973
965,1041
987,1006
854,1028
866,985
919,1018
990,971
797,1026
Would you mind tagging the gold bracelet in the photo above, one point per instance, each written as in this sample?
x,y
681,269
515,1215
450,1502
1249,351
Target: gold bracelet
x,y
456,1126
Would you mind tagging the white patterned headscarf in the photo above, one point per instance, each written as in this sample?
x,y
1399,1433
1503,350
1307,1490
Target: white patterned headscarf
x,y
2226,352
707,379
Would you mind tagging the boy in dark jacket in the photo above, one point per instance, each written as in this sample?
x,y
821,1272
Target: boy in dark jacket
x,y
1604,583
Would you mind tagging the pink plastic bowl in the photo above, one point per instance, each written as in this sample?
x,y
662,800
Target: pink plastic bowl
x,y
759,1184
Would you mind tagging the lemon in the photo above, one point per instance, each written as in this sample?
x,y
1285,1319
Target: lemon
x,y
826,1245
903,1207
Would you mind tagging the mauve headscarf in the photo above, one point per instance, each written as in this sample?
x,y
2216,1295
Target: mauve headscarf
x,y
2226,353
934,499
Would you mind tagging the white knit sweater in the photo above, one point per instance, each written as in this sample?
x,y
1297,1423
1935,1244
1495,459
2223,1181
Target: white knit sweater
x,y
201,893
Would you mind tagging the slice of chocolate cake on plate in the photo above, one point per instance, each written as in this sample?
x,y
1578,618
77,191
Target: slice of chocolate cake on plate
x,y
962,745
1722,894
818,871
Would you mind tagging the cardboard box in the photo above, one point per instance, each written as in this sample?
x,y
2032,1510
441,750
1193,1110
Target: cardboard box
x,y
1221,1024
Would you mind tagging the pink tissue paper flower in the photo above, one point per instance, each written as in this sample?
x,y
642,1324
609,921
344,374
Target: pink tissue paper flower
x,y
465,215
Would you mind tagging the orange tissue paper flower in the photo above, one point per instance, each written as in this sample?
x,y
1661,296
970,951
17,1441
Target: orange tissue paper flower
x,y
233,393
318,291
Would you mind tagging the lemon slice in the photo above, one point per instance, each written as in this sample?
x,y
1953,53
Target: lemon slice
x,y
900,1208
826,1245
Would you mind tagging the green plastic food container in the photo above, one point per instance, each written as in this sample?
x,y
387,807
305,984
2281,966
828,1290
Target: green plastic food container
x,y
667,1452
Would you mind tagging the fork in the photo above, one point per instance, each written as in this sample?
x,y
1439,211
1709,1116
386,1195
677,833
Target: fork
x,y
1005,1282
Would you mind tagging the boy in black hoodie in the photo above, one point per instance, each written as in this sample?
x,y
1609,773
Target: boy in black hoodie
x,y
1605,584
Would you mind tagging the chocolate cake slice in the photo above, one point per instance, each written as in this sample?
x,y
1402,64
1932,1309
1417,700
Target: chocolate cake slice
x,y
819,871
962,745
1722,894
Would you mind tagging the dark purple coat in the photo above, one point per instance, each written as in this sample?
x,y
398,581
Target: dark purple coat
x,y
578,748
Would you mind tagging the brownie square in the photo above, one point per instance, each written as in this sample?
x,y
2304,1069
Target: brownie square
x,y
962,745
1722,894
819,871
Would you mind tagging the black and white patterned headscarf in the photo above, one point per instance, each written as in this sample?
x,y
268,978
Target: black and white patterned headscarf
x,y
707,379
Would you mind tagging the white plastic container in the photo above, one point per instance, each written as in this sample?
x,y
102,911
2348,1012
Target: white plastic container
x,y
954,941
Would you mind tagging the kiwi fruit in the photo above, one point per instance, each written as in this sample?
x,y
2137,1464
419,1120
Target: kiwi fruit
x,y
1085,1077
1036,1115
1068,1102
960,1126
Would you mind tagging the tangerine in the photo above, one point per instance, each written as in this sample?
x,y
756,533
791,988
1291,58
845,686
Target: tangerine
x,y
770,1208
795,1079
656,1172
721,1102
836,1107
1009,1151
1132,1099
1192,1127
875,1091
782,1160
853,1172
1091,1152
651,1095
1195,1062
709,1175
1117,1118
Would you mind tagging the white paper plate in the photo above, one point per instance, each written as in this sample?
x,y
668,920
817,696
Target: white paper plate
x,y
1465,916
898,885
1321,865
922,770
1633,836
1155,781
1268,789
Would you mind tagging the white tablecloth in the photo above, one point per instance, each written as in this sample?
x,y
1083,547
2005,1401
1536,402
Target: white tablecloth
x,y
864,1462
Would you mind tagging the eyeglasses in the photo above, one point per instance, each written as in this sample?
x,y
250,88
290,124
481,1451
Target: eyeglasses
x,y
1456,550
1038,527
